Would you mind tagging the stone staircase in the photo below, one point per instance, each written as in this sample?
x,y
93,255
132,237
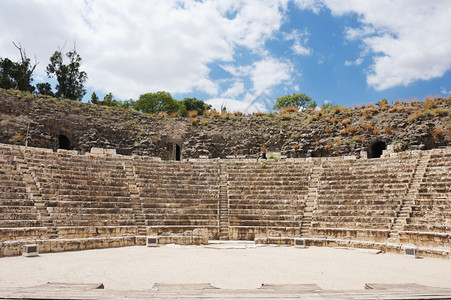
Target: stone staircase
x,y
311,200
412,192
34,193
135,199
223,204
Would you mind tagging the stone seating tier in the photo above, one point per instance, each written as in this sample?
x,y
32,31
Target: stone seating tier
x,y
94,196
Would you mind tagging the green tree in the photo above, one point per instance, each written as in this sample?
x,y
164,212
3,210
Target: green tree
x,y
7,80
69,77
17,75
294,100
109,101
196,104
45,88
94,98
157,102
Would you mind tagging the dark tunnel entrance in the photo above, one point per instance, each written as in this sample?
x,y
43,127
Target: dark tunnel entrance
x,y
178,153
376,149
63,142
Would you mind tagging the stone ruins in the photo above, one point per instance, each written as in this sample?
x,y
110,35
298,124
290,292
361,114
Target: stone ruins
x,y
62,201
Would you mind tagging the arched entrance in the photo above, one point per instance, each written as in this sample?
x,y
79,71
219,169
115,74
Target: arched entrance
x,y
376,149
63,142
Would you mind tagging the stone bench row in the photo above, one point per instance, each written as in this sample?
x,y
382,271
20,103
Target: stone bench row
x,y
379,235
352,185
18,216
180,170
180,212
426,239
237,195
168,202
364,192
107,211
353,219
428,228
82,198
267,184
351,225
16,202
175,189
21,233
99,221
184,222
87,181
363,202
247,216
20,223
329,211
272,207
356,198
363,179
13,195
75,167
171,181
213,230
89,204
433,205
105,191
438,220
241,232
95,231
6,188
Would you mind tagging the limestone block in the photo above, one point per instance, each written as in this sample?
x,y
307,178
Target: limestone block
x,y
97,151
261,240
110,152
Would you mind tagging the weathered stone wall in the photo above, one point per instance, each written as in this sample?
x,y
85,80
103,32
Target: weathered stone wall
x,y
337,131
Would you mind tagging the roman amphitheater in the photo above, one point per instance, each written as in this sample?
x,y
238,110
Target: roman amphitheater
x,y
223,227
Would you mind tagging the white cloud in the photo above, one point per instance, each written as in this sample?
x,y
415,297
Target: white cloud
x,y
410,39
445,91
236,89
237,70
356,62
268,73
233,105
264,74
313,5
300,40
132,47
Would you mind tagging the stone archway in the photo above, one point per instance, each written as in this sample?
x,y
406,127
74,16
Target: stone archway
x,y
63,142
376,149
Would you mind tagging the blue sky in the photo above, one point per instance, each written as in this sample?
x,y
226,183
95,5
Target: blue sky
x,y
349,52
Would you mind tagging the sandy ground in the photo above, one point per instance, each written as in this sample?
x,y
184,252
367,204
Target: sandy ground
x,y
137,268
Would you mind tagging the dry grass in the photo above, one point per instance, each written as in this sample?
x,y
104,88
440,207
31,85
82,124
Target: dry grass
x,y
192,113
290,109
345,121
358,138
194,121
337,109
369,112
437,131
389,130
328,129
429,103
351,129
